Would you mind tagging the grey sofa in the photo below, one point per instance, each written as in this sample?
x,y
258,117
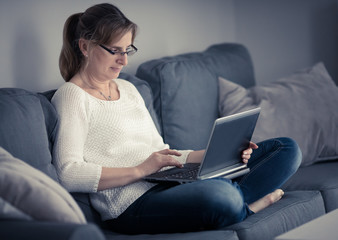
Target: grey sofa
x,y
181,94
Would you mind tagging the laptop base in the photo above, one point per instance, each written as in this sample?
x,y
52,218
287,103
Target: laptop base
x,y
174,174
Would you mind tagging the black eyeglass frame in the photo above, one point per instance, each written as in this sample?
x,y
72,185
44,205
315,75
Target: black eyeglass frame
x,y
129,53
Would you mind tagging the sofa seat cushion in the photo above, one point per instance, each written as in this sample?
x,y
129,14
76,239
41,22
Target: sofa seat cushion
x,y
320,176
214,235
293,210
27,128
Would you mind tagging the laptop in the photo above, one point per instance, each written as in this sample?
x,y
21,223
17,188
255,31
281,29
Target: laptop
x,y
229,137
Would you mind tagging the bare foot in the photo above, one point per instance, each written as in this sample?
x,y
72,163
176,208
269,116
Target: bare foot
x,y
266,201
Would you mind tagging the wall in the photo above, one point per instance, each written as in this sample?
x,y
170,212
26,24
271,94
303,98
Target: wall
x,y
282,35
31,34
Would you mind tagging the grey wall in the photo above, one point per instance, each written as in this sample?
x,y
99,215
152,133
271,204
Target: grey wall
x,y
286,35
31,34
282,35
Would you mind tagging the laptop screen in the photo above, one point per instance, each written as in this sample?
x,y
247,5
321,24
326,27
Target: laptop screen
x,y
230,136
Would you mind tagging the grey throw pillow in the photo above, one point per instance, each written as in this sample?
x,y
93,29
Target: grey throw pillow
x,y
27,193
302,106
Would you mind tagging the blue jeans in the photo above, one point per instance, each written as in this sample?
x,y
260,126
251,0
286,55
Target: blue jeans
x,y
212,203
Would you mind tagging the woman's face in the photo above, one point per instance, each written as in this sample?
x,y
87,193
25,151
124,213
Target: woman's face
x,y
102,65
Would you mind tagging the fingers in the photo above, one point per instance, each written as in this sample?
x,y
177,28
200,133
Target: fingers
x,y
253,145
166,159
245,161
170,152
246,155
159,160
172,162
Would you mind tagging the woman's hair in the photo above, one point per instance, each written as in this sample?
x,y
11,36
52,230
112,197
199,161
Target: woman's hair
x,y
101,24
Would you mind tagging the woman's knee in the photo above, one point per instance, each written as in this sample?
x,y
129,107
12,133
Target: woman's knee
x,y
223,203
293,152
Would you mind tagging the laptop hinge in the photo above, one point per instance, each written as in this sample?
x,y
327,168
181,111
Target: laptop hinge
x,y
222,172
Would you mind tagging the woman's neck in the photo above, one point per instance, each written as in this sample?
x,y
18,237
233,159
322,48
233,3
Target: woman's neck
x,y
104,90
93,83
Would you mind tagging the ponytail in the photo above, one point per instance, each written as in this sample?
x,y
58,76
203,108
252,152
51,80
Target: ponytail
x,y
70,56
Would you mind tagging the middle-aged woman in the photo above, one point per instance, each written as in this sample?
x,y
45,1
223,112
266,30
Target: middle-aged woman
x,y
107,142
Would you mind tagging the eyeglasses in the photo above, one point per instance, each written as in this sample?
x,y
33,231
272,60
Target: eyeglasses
x,y
130,51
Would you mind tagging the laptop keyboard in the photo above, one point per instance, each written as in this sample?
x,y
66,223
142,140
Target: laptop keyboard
x,y
189,173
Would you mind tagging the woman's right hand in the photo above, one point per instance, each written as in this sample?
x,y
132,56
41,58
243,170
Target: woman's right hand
x,y
118,177
158,160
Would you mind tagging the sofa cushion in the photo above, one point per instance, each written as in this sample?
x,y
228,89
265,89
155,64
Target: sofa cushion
x,y
8,211
293,210
182,96
232,61
185,90
35,194
25,131
320,176
302,106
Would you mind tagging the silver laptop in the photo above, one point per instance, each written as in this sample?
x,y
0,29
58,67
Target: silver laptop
x,y
229,137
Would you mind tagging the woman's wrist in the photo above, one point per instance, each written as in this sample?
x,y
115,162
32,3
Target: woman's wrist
x,y
118,177
139,173
195,156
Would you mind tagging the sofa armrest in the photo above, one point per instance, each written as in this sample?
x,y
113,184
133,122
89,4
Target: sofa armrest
x,y
11,229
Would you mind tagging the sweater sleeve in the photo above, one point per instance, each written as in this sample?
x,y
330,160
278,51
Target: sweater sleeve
x,y
74,173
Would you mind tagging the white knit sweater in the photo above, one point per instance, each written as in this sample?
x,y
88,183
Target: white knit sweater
x,y
94,133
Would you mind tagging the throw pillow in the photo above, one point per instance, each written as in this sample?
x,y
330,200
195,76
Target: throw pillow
x,y
27,192
302,106
7,211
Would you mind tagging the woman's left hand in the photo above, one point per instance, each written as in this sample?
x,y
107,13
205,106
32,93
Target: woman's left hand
x,y
247,152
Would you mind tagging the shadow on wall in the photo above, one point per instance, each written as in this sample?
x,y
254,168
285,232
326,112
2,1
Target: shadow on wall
x,y
325,36
28,58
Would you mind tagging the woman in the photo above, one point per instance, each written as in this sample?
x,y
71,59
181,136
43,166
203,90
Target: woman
x,y
107,142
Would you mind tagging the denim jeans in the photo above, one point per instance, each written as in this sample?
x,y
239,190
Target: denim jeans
x,y
212,203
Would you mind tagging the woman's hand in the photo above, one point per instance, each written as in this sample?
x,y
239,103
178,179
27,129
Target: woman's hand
x,y
118,177
158,160
247,152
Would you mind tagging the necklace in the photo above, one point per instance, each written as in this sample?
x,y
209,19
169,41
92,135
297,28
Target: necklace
x,y
107,98
101,93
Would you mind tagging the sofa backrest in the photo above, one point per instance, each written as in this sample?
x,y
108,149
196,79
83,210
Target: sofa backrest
x,y
28,124
185,89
